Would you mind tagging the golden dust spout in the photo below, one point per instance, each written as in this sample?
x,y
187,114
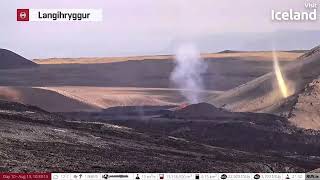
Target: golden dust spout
x,y
279,76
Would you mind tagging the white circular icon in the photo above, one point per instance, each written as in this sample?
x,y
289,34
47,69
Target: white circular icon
x,y
23,15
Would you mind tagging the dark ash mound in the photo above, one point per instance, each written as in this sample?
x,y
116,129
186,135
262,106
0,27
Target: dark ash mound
x,y
201,110
205,111
11,60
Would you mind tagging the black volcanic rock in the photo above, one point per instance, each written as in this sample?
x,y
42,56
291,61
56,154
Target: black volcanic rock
x,y
32,140
315,171
311,52
11,60
203,123
205,111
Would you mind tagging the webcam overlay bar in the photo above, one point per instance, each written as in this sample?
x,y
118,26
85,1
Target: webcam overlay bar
x,y
158,176
87,15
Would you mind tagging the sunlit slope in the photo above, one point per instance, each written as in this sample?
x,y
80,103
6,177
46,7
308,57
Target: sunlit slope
x,y
104,97
45,99
75,98
263,92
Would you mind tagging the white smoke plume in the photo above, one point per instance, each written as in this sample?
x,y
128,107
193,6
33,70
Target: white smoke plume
x,y
187,74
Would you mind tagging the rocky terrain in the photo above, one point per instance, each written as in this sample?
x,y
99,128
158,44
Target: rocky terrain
x,y
203,123
302,108
34,140
307,107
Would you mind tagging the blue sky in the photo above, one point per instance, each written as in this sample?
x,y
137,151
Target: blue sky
x,y
137,27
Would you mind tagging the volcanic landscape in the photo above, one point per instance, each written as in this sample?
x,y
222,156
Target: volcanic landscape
x,y
125,114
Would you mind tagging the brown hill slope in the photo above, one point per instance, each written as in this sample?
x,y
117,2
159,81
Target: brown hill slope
x,y
46,99
263,94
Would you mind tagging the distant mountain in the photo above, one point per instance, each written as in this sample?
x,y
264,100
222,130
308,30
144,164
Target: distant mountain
x,y
264,41
9,60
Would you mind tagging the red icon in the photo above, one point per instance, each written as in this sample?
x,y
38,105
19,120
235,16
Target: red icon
x,y
22,14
